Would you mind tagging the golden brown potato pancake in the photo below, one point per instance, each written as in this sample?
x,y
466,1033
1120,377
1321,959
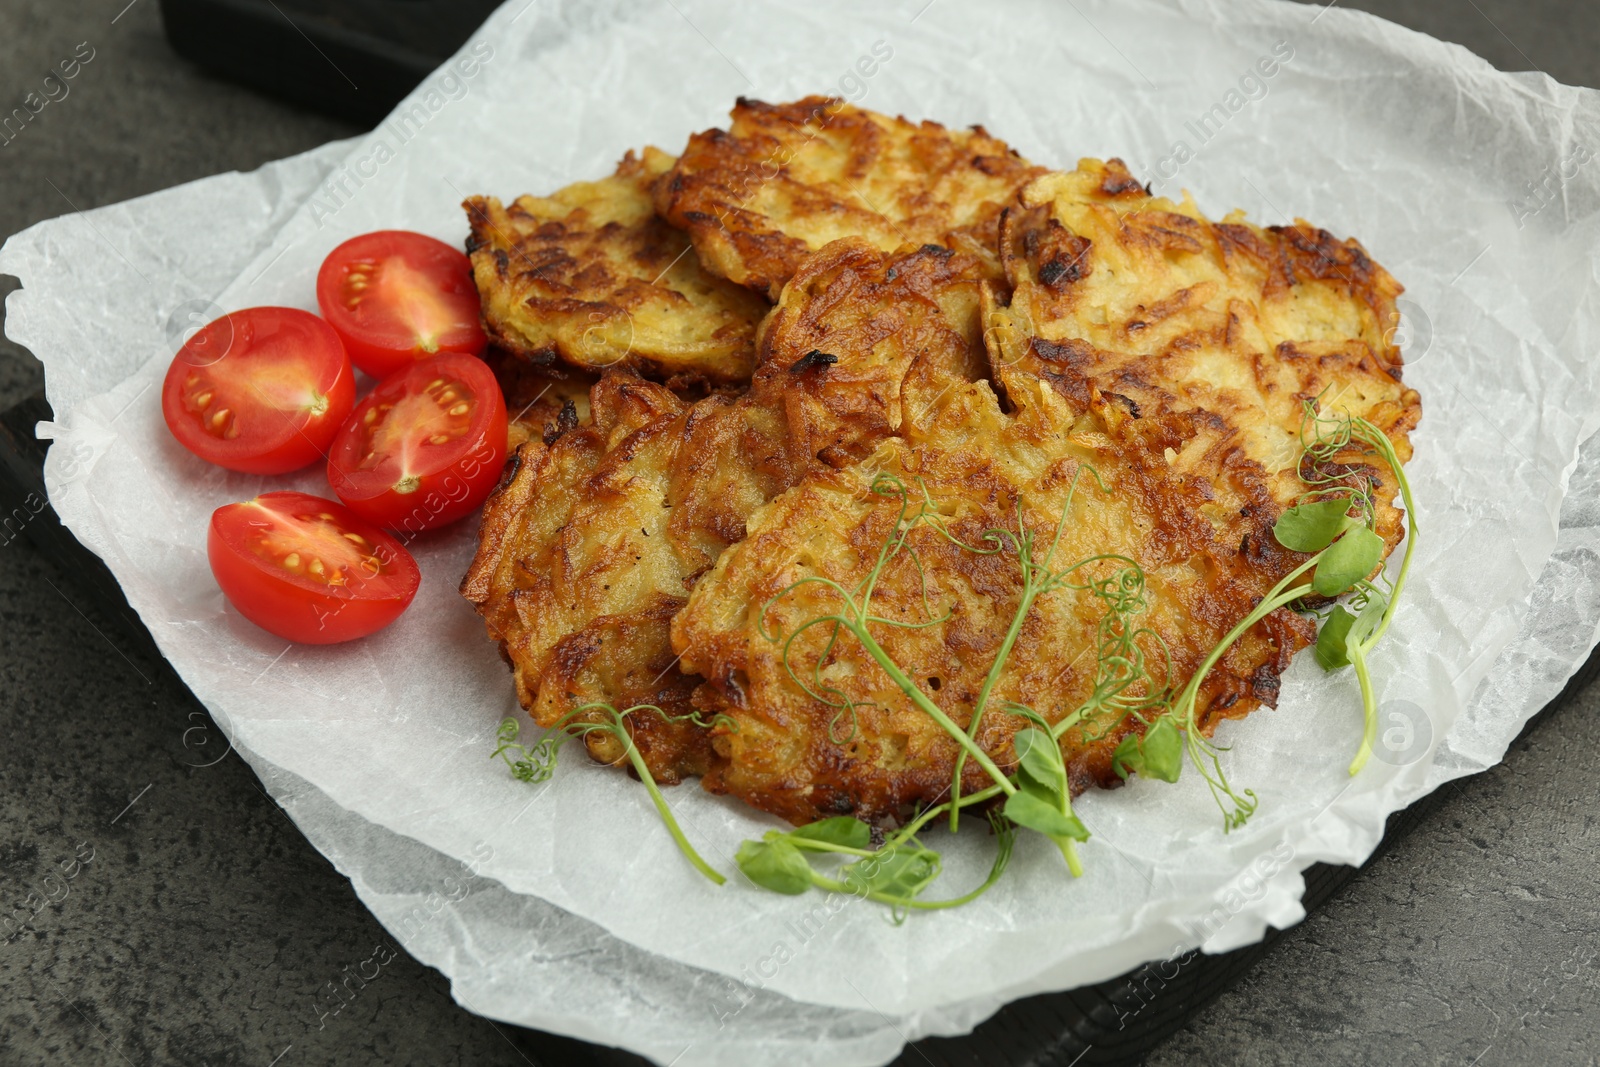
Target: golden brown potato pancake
x,y
1219,331
589,274
595,536
1173,356
794,756
785,179
566,571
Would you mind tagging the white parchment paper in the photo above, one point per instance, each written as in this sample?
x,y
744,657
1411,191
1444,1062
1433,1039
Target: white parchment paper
x,y
1477,189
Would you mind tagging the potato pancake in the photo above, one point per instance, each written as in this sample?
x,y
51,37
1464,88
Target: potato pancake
x,y
1227,328
785,179
592,541
591,276
802,759
562,579
1171,355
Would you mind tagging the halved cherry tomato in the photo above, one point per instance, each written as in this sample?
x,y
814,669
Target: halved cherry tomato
x,y
425,447
261,391
307,569
396,297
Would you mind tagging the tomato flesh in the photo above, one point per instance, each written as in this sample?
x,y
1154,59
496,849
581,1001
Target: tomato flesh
x,y
262,391
307,569
396,297
425,447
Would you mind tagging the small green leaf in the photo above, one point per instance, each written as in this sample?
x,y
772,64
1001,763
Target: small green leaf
x,y
1163,750
1348,560
1128,757
1312,527
1026,808
840,830
1367,620
1331,641
1040,760
897,871
775,865
1157,754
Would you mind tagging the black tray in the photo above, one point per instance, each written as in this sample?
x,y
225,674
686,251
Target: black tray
x,y
1114,1022
352,58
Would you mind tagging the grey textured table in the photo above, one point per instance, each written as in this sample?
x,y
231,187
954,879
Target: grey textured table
x,y
204,925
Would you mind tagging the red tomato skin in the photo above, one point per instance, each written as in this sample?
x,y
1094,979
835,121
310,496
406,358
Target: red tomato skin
x,y
376,357
443,496
293,612
299,449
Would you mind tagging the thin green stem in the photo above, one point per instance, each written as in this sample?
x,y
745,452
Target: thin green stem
x,y
1001,860
1275,599
666,814
836,886
1369,708
933,710
1069,851
1067,723
887,551
1029,591
813,845
1379,440
937,810
1198,748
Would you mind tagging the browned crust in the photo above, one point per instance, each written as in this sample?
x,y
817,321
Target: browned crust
x,y
781,756
595,536
590,277
542,400
785,179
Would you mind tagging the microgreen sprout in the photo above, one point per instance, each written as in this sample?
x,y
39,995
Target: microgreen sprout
x,y
536,763
1333,521
896,873
1352,630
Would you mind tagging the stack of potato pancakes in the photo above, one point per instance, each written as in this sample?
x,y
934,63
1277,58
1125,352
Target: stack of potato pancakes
x,y
718,355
